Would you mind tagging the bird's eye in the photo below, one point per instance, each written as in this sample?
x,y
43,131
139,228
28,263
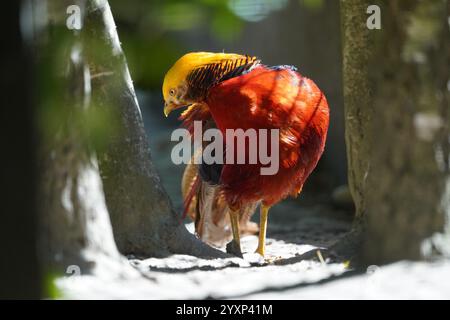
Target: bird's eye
x,y
172,92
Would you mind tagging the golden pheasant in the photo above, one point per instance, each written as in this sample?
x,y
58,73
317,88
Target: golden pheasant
x,y
232,91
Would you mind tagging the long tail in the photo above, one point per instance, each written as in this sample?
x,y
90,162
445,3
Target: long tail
x,y
206,205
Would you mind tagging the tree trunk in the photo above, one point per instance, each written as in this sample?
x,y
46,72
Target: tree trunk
x,y
142,215
356,43
76,232
397,126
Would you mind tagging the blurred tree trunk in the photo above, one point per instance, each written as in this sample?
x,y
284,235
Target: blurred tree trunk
x,y
76,232
20,276
397,126
88,103
143,219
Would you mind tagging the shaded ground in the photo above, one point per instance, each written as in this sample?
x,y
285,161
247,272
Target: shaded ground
x,y
287,277
187,277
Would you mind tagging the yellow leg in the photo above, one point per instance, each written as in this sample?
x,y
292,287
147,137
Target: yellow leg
x,y
264,212
234,247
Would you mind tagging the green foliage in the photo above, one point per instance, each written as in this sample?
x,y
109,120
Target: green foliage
x,y
314,5
52,63
423,31
255,10
225,26
62,110
179,16
156,33
149,60
51,291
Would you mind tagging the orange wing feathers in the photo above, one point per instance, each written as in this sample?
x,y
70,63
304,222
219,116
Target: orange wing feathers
x,y
271,98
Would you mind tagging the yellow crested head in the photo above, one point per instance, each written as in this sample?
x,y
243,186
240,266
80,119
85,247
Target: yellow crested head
x,y
182,84
190,61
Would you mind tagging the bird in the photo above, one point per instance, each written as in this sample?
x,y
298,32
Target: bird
x,y
237,91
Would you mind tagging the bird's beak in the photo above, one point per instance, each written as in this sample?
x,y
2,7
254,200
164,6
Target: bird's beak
x,y
169,107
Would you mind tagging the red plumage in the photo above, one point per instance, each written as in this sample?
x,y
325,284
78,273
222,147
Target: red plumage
x,y
268,98
263,98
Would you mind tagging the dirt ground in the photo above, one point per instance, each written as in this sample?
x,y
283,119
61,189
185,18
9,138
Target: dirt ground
x,y
188,277
287,276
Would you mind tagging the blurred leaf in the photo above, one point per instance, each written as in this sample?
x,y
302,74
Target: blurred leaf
x,y
154,34
97,124
52,83
149,60
51,291
255,10
314,5
180,16
423,29
225,25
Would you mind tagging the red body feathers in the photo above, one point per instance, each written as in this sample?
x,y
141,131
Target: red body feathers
x,y
269,98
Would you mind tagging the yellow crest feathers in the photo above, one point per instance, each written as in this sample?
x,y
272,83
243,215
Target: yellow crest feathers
x,y
180,71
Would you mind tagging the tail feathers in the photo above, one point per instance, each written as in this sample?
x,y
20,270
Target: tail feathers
x,y
189,189
190,198
206,205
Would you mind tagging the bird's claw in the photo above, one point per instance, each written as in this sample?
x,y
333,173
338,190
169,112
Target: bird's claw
x,y
234,248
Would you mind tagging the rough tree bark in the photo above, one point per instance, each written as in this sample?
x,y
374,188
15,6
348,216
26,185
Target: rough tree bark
x,y
143,219
356,40
397,126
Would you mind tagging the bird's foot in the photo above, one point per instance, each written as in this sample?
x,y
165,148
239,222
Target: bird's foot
x,y
261,250
272,259
233,247
257,259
